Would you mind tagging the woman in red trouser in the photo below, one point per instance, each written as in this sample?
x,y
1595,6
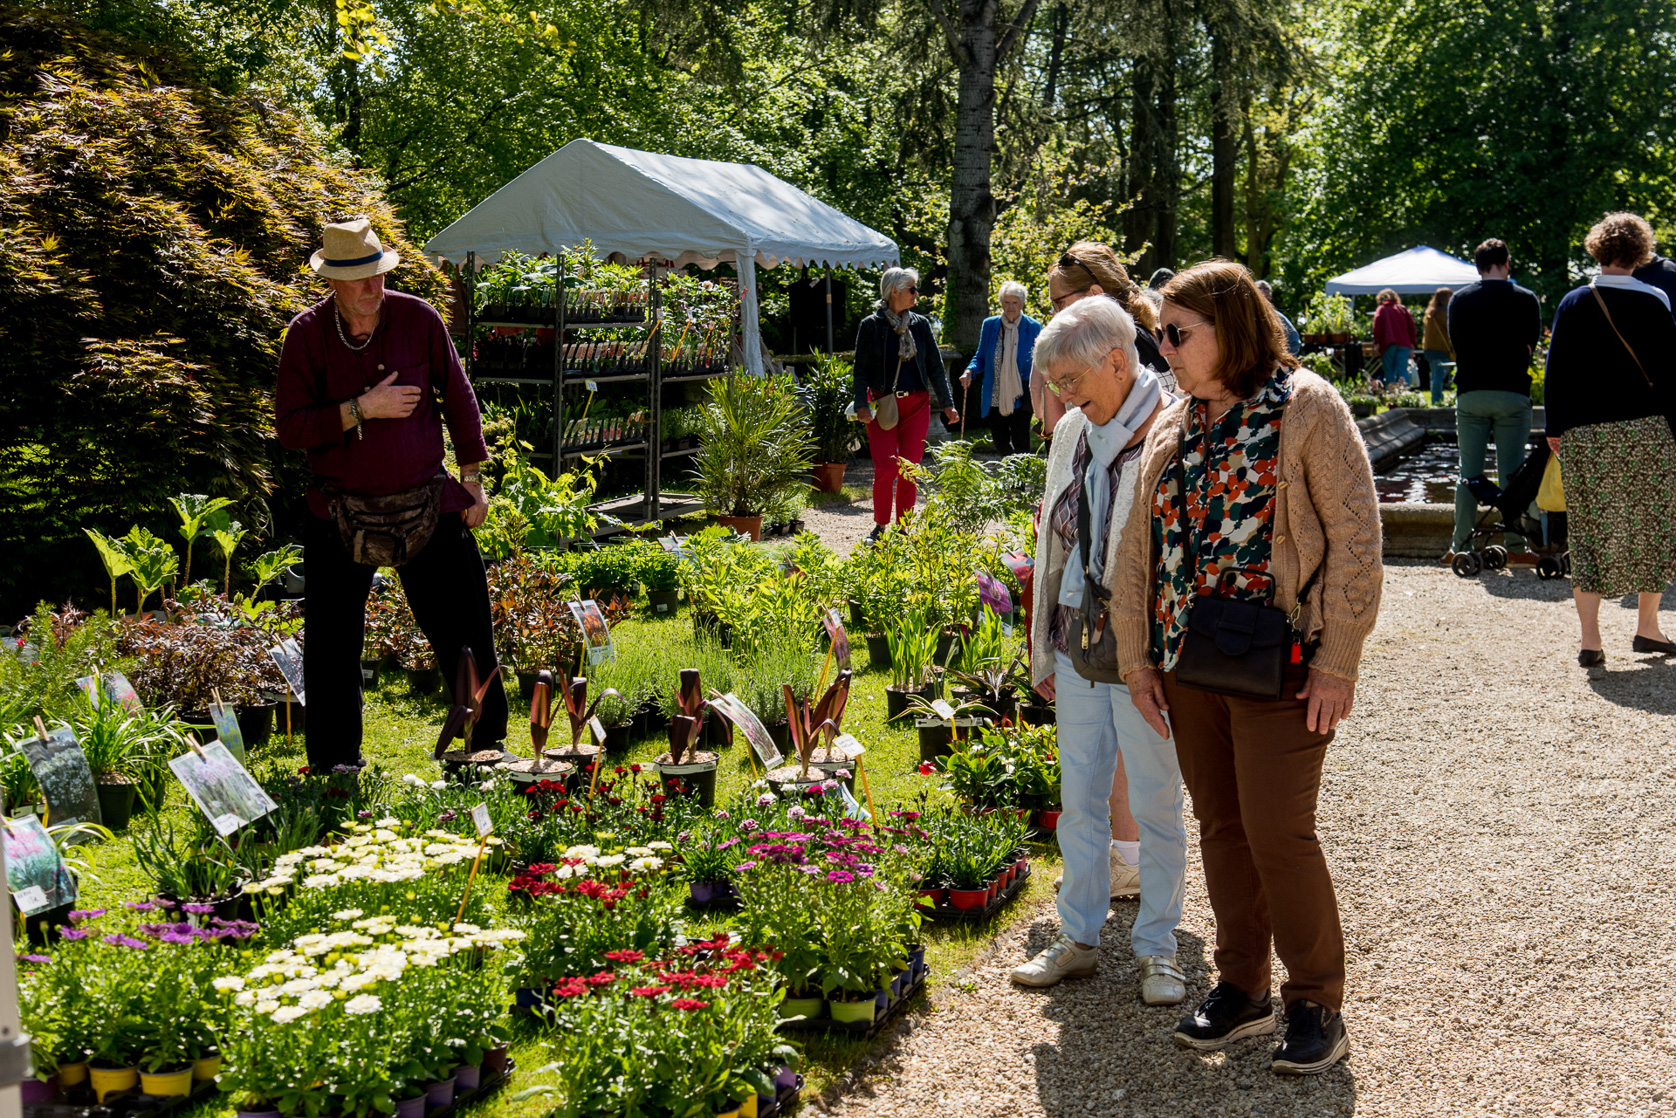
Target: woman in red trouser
x,y
895,354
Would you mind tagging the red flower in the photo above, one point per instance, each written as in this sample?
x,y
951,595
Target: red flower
x,y
570,988
650,991
713,981
603,978
689,1003
540,869
635,769
625,956
303,771
925,768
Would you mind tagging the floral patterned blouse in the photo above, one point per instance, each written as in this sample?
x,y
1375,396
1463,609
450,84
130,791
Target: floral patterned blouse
x,y
1230,510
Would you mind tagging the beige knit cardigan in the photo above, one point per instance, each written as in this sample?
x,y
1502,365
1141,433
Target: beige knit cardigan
x,y
1326,516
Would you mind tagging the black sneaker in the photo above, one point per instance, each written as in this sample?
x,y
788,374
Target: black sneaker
x,y
1315,1041
878,530
1226,1015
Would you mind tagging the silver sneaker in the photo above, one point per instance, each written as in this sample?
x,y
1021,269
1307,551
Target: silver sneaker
x,y
1162,982
1126,879
1062,960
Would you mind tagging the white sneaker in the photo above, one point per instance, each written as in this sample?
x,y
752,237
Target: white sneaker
x,y
1162,982
1126,879
1064,959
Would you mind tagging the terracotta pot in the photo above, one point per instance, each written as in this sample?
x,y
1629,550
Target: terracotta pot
x,y
745,525
829,477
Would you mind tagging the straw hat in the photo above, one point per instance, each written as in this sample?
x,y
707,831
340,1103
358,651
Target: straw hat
x,y
350,250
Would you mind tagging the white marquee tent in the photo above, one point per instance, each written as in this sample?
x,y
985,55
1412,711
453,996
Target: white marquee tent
x,y
691,211
1418,271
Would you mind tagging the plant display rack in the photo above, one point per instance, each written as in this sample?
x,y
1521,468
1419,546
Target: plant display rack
x,y
571,366
861,1030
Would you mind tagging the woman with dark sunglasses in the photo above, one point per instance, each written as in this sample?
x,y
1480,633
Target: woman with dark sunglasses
x,y
895,355
1091,268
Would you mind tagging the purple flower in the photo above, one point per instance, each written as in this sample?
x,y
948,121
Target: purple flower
x,y
448,816
750,825
721,815
125,941
725,843
34,959
345,770
840,877
743,866
81,914
364,813
142,906
198,909
73,934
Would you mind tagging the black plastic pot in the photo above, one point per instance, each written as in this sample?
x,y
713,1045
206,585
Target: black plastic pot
x,y
857,621
945,645
424,681
664,601
701,774
896,702
878,650
256,722
617,736
526,681
369,672
936,737
116,803
1036,714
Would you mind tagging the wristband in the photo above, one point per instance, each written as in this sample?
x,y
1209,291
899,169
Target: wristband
x,y
355,414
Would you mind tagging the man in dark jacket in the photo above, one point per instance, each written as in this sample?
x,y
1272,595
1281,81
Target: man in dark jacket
x,y
1495,325
1660,272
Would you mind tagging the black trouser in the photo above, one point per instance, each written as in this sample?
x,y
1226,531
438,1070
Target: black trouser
x,y
449,595
1011,433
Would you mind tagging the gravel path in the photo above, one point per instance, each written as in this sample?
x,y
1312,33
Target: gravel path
x,y
1498,821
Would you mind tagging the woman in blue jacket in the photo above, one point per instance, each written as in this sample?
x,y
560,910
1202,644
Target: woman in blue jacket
x,y
1003,364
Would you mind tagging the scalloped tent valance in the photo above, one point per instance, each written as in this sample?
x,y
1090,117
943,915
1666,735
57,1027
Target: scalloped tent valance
x,y
691,211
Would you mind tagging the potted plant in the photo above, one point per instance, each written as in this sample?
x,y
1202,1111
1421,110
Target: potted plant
x,y
940,723
980,774
541,766
826,393
127,751
463,716
684,761
808,724
660,573
753,447
913,649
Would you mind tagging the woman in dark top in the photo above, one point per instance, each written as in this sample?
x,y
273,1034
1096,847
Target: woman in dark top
x,y
1611,398
896,354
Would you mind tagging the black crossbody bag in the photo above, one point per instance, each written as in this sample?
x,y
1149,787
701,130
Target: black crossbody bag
x,y
1232,647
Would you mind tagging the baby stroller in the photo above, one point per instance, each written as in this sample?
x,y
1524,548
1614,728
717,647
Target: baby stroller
x,y
1511,512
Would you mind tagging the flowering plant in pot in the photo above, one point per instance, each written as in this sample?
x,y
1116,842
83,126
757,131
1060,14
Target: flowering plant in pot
x,y
588,904
981,774
707,858
809,726
684,760
128,752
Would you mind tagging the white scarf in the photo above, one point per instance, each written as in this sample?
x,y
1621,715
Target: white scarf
x,y
1008,385
1105,443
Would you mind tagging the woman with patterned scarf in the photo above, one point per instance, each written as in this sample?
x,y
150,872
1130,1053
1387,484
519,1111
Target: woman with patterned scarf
x,y
896,356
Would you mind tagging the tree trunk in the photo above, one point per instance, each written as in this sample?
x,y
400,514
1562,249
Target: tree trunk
x,y
1168,172
1224,144
1061,25
1140,221
971,201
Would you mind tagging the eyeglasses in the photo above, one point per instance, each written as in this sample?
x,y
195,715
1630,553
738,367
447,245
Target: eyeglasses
x,y
1069,384
1059,301
1175,334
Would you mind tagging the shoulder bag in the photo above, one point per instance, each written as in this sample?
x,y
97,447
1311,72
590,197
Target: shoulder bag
x,y
1232,647
1094,646
885,412
1633,356
387,531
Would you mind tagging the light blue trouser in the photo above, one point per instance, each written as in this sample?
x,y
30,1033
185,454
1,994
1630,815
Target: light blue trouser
x,y
1095,721
1395,360
1477,415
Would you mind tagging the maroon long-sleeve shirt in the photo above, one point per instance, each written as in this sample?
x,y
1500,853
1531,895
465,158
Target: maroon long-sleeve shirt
x,y
318,372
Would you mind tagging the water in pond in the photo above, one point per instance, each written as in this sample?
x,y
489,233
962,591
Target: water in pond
x,y
1428,475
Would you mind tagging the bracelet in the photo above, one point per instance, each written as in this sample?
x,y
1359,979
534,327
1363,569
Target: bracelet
x,y
355,414
475,477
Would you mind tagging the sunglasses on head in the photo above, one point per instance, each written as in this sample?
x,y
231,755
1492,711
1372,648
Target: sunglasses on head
x,y
1066,260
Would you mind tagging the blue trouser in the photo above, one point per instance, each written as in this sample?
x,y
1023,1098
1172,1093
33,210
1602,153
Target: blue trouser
x,y
1477,415
1095,721
1440,364
1396,363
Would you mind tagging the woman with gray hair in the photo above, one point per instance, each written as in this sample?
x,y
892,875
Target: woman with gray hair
x,y
1087,358
1002,367
896,358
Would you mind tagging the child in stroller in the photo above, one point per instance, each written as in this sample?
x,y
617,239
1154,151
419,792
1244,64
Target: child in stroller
x,y
1510,507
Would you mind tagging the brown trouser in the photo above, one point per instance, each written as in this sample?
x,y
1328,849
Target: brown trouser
x,y
1254,770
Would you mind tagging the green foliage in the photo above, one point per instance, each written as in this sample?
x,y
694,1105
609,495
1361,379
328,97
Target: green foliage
x,y
754,447
38,672
826,392
156,230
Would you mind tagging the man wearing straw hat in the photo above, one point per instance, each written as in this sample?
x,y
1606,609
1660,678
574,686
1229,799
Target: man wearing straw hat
x,y
367,379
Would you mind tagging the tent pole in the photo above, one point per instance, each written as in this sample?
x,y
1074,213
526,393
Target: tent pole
x,y
829,310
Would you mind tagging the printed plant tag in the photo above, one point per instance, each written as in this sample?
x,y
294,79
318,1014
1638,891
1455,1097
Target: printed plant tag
x,y
62,772
480,818
944,711
849,745
289,659
597,728
993,592
227,729
840,640
35,871
731,707
591,385
596,633
852,807
221,787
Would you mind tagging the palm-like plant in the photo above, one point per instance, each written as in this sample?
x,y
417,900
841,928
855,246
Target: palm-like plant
x,y
754,445
468,702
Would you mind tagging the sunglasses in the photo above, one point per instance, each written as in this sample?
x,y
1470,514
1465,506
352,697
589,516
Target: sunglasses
x,y
912,290
1175,335
1060,301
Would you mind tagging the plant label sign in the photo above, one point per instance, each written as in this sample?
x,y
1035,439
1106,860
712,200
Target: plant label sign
x,y
112,685
1020,563
849,745
992,592
591,385
597,729
35,871
671,544
852,807
734,709
840,640
596,634
944,711
221,787
66,781
227,730
480,819
289,659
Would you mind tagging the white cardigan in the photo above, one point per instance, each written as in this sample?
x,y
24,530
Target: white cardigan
x,y
1050,556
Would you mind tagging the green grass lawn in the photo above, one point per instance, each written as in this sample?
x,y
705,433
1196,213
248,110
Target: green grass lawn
x,y
400,733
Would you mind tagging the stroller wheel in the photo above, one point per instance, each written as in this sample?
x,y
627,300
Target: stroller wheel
x,y
1548,567
1495,557
1466,564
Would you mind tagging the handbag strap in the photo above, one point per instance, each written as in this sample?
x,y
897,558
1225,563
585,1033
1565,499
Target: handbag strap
x,y
1633,357
1189,539
1085,527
